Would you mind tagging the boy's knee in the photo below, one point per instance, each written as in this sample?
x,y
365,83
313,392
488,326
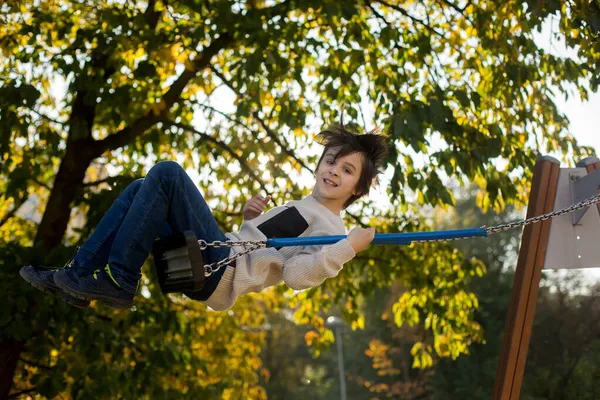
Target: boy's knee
x,y
137,184
130,191
165,168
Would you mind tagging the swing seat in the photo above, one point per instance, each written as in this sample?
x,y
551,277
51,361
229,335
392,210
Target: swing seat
x,y
179,263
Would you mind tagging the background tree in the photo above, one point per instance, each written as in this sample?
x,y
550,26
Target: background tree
x,y
563,361
142,84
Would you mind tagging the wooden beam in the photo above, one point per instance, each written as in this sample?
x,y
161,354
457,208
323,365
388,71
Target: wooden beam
x,y
535,282
519,318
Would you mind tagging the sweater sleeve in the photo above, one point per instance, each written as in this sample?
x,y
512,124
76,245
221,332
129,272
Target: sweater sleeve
x,y
313,264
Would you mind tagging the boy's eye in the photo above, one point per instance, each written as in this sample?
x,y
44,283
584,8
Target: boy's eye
x,y
347,170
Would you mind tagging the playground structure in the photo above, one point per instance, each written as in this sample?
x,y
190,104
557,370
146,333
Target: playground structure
x,y
565,241
563,220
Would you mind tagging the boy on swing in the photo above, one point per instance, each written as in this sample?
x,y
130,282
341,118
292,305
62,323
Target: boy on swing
x,y
107,267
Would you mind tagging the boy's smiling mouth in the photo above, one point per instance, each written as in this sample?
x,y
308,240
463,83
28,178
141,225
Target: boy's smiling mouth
x,y
330,182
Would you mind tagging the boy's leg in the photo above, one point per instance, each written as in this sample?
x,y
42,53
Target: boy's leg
x,y
167,194
94,252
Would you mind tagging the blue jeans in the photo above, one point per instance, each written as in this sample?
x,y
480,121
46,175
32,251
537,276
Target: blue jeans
x,y
165,201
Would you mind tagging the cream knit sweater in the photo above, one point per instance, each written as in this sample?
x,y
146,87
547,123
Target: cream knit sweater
x,y
300,267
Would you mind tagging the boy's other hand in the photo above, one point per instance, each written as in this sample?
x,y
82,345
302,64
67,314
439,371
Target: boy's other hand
x,y
360,238
255,206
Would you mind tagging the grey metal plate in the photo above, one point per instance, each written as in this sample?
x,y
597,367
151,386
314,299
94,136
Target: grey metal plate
x,y
573,246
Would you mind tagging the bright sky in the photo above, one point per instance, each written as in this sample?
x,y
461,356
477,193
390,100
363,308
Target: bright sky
x,y
584,118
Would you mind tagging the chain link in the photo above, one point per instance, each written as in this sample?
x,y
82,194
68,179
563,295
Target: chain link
x,y
252,245
574,207
230,243
516,224
440,240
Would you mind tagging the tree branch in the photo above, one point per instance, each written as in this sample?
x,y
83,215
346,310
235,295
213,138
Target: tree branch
x,y
268,130
230,214
245,126
100,181
83,112
378,15
10,320
18,394
103,318
223,146
47,118
397,46
283,146
269,12
406,14
42,184
203,61
223,114
34,364
18,203
152,116
386,22
457,8
152,16
356,218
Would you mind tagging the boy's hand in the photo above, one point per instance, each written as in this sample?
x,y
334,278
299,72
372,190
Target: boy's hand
x,y
360,238
255,206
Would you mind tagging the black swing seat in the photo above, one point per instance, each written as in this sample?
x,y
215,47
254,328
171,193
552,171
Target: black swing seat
x,y
179,263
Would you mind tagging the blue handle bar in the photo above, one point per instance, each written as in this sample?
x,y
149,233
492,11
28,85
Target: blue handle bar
x,y
380,238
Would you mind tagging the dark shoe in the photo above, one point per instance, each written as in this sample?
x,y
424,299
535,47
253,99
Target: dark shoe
x,y
42,278
99,285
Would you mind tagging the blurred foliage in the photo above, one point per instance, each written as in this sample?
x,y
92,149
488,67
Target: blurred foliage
x,y
90,90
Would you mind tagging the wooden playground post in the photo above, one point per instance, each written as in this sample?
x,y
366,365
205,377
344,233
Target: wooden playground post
x,y
532,258
532,253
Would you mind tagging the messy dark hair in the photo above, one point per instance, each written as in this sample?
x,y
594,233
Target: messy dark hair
x,y
373,147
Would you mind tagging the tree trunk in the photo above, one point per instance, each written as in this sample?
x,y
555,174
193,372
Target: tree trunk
x,y
67,183
54,223
10,351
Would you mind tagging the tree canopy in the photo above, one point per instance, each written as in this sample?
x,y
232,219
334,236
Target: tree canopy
x,y
92,92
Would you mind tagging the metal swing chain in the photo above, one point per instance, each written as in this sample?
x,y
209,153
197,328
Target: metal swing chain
x,y
574,207
257,244
251,245
516,224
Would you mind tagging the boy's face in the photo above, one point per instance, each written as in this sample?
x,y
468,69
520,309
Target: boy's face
x,y
337,179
